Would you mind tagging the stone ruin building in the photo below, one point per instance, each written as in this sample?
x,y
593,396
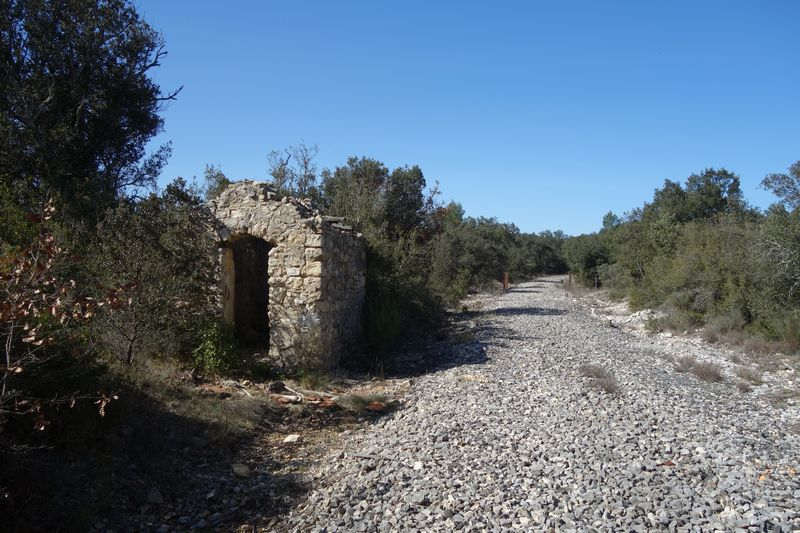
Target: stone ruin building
x,y
291,279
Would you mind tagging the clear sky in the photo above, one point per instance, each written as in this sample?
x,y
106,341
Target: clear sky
x,y
544,114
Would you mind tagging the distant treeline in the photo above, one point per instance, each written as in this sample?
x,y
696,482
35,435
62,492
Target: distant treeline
x,y
699,252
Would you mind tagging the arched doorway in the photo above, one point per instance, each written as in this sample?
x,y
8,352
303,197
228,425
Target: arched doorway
x,y
246,291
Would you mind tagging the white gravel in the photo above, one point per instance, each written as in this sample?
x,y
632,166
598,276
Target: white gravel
x,y
510,436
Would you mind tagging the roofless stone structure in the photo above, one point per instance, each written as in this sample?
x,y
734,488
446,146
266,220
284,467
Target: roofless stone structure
x,y
292,280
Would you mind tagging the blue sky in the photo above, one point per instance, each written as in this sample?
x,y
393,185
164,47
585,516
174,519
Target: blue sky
x,y
544,114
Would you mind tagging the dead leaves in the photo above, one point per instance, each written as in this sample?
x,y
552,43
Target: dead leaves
x,y
324,403
376,407
281,394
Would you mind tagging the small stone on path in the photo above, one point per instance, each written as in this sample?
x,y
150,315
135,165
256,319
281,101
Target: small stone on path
x,y
240,470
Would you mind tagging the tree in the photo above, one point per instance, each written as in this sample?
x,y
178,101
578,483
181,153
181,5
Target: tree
x,y
294,171
714,191
215,181
584,254
611,221
280,171
779,253
77,105
670,201
305,169
785,186
355,191
404,199
706,194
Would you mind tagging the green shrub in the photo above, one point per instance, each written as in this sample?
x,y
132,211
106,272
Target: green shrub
x,y
675,320
585,254
162,249
698,252
218,350
397,299
616,278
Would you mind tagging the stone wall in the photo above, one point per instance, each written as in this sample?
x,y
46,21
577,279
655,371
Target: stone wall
x,y
342,294
315,268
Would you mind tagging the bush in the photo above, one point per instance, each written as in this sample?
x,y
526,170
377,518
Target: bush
x,y
706,371
585,254
397,297
718,327
616,278
218,350
674,320
700,253
601,378
163,249
749,374
42,318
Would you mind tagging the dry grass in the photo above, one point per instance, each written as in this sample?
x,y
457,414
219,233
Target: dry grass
x,y
684,364
609,385
730,330
780,397
228,413
595,371
736,358
601,378
743,386
749,374
363,403
706,371
761,346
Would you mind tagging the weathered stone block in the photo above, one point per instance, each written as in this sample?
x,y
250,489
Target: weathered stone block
x,y
313,269
314,239
313,254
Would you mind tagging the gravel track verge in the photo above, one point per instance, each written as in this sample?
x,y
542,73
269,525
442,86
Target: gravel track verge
x,y
511,435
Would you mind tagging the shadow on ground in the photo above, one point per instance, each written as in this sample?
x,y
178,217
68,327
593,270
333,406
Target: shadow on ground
x,y
139,467
556,281
517,311
463,342
144,467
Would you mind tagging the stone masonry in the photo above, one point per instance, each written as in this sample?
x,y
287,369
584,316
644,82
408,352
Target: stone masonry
x,y
290,277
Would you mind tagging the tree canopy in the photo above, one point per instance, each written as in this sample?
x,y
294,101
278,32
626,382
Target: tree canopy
x,y
785,186
77,105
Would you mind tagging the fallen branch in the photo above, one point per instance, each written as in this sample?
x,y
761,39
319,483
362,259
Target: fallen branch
x,y
374,457
285,398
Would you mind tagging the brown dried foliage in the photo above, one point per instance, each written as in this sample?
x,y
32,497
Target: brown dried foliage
x,y
36,310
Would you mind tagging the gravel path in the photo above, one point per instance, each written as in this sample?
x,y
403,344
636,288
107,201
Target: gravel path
x,y
512,436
